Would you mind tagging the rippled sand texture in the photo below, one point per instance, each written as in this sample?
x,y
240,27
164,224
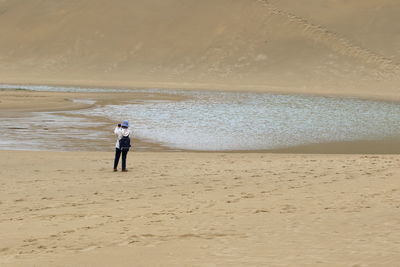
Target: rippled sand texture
x,y
195,209
330,47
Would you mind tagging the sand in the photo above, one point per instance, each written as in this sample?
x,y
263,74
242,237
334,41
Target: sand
x,y
23,101
199,209
334,47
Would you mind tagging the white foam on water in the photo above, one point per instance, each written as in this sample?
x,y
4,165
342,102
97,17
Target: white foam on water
x,y
84,101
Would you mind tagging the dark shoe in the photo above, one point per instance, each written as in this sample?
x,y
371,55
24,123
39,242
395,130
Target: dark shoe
x,y
124,170
115,170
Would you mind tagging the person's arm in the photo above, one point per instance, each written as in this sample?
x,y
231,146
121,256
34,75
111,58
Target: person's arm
x,y
117,129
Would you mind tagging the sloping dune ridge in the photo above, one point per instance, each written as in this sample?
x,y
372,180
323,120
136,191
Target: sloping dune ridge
x,y
329,47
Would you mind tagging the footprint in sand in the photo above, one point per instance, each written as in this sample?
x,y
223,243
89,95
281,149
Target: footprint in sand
x,y
89,248
30,240
261,211
247,195
4,249
233,200
288,209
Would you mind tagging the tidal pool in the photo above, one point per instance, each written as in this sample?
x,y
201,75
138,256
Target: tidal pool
x,y
223,121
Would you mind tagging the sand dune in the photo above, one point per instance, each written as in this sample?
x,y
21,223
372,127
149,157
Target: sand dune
x,y
333,48
198,209
336,42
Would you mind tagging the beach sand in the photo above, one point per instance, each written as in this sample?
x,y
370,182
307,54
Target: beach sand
x,y
199,209
22,101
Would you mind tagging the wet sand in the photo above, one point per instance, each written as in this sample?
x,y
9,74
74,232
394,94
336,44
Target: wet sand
x,y
199,209
33,101
385,146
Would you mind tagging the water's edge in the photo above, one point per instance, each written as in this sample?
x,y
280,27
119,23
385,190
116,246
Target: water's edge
x,y
220,122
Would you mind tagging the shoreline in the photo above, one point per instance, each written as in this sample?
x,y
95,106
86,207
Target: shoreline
x,y
25,101
391,97
359,147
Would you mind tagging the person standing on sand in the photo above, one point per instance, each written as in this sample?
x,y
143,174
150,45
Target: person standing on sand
x,y
123,144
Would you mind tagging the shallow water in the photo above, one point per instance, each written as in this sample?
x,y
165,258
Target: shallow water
x,y
245,121
50,131
218,121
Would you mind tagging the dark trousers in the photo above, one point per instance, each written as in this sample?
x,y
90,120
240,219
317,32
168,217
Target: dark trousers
x,y
118,153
